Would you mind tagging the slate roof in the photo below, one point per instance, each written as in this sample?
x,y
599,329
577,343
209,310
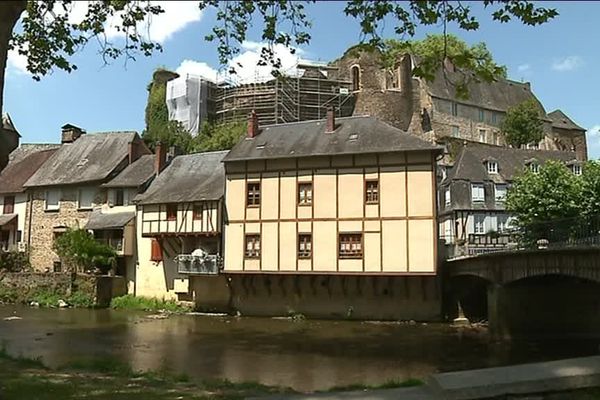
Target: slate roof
x,y
561,120
23,163
353,135
499,95
135,174
470,162
188,178
100,220
6,218
91,158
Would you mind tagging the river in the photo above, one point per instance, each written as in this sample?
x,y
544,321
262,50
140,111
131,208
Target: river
x,y
305,355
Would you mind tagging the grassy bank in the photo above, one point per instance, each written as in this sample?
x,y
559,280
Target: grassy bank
x,y
23,378
130,302
45,297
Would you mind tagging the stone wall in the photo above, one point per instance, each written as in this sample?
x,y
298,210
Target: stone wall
x,y
40,225
570,140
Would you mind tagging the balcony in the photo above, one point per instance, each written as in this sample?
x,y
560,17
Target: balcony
x,y
115,242
188,264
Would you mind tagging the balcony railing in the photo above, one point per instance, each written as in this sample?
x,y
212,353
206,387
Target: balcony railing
x,y
208,264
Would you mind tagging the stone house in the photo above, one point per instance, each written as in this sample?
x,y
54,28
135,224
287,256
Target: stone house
x,y
114,223
434,111
473,189
332,217
23,163
67,188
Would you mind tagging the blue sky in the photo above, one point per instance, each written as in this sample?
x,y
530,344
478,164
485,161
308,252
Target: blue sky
x,y
560,59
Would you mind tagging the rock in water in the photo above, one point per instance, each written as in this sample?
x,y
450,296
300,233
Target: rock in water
x,y
14,318
34,304
62,304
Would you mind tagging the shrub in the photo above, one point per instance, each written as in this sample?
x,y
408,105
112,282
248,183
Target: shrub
x,y
78,249
130,302
14,261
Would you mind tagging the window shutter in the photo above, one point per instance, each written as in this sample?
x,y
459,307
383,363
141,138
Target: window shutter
x,y
156,253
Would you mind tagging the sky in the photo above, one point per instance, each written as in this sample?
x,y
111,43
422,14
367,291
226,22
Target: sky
x,y
560,59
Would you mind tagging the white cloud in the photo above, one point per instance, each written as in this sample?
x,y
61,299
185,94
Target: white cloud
x,y
160,28
16,64
245,64
593,142
524,68
569,63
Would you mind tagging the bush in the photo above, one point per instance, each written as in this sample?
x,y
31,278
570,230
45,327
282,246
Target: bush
x,y
78,249
14,261
130,302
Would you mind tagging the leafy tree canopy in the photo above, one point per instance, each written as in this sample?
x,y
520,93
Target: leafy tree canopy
x,y
523,124
78,249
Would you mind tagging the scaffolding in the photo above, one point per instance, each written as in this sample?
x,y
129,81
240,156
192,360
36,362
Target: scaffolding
x,y
300,95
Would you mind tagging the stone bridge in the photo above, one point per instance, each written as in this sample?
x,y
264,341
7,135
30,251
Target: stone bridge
x,y
549,291
506,267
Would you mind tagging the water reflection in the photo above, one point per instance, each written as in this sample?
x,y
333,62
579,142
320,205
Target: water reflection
x,y
307,355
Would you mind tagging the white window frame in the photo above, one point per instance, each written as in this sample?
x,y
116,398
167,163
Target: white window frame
x,y
492,167
454,109
482,136
447,197
534,167
80,197
455,131
479,224
476,190
500,198
502,223
576,169
47,205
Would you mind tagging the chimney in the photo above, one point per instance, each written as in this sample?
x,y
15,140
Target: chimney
x,y
253,125
70,133
160,157
330,125
133,151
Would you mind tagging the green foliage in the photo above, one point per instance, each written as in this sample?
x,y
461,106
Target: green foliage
x,y
213,137
47,297
590,189
523,124
78,249
411,382
130,302
9,295
81,299
14,261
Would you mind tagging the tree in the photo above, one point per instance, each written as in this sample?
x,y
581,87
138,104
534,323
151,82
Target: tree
x,y
48,38
213,137
551,195
590,190
523,124
78,249
158,126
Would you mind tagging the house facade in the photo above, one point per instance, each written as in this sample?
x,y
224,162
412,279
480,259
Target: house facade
x,y
433,111
179,231
14,200
473,189
67,189
326,216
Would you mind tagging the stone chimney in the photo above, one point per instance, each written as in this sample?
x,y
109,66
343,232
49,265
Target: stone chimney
x,y
160,157
70,133
330,122
253,125
134,151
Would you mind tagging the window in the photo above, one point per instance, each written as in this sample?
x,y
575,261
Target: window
x,y
86,198
119,197
479,223
492,167
477,193
252,246
355,78
9,204
305,245
500,193
454,109
171,212
455,131
495,138
502,222
198,211
253,194
156,251
481,115
493,117
447,199
534,167
575,167
52,200
350,245
482,135
372,192
305,194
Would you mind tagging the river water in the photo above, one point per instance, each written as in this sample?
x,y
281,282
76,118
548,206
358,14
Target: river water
x,y
305,355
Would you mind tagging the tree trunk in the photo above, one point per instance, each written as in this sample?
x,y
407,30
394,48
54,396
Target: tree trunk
x,y
10,12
